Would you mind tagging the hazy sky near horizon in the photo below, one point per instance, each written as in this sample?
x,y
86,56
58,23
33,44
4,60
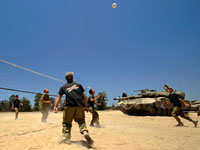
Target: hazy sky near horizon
x,y
140,44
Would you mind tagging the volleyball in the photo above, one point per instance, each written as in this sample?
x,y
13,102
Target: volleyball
x,y
114,5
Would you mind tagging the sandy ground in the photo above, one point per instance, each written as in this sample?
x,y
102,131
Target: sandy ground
x,y
118,132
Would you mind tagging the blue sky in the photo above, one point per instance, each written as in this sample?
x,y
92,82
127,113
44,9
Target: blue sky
x,y
140,44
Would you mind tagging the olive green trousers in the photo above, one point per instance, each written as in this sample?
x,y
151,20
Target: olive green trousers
x,y
177,111
73,113
45,113
95,116
16,112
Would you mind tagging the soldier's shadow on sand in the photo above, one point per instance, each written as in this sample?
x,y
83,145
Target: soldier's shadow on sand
x,y
185,126
82,143
100,126
189,126
181,126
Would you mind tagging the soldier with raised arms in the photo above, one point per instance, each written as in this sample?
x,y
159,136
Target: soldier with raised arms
x,y
91,102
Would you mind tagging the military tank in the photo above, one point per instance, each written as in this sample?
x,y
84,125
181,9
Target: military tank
x,y
148,103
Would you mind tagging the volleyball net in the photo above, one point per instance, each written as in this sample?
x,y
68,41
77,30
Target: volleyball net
x,y
17,80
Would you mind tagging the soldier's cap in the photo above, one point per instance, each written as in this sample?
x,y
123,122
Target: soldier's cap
x,y
69,74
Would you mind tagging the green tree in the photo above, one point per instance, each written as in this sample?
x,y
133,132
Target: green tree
x,y
11,99
4,105
1,105
103,100
36,101
26,105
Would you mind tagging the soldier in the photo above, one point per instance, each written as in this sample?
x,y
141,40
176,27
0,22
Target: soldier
x,y
91,102
15,106
74,108
44,105
177,110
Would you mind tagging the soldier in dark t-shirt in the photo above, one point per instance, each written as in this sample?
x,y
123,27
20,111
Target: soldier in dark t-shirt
x,y
174,99
75,103
177,101
73,92
16,103
91,102
15,106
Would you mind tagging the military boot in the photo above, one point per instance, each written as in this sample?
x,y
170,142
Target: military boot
x,y
180,124
66,141
88,138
